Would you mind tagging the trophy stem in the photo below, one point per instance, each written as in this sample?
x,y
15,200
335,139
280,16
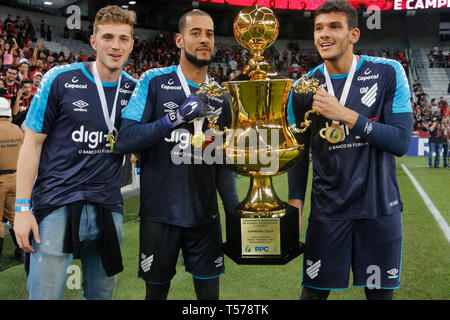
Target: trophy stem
x,y
262,200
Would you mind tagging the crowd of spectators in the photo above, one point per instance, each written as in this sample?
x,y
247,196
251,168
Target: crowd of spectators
x,y
432,120
438,59
24,61
425,108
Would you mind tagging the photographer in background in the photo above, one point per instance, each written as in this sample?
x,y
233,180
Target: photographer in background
x,y
434,142
445,138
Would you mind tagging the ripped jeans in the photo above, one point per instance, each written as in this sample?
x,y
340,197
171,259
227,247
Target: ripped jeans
x,y
49,264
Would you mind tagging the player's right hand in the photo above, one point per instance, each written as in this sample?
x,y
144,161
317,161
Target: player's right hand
x,y
24,222
191,108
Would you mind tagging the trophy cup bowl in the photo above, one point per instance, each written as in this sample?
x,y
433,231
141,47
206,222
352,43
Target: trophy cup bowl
x,y
260,144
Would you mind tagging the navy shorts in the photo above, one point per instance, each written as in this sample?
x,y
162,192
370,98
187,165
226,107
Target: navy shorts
x,y
160,245
372,248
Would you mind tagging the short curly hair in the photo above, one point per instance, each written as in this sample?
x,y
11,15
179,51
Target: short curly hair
x,y
115,14
340,6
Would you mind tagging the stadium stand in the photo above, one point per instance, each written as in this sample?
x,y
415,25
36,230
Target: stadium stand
x,y
432,72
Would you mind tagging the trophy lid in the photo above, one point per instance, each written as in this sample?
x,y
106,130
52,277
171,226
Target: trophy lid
x,y
256,28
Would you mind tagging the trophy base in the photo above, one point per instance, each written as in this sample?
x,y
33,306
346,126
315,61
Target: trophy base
x,y
263,240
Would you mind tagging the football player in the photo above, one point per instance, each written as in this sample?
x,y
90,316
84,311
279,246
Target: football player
x,y
365,120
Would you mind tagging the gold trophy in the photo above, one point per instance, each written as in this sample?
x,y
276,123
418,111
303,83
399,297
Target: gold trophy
x,y
263,229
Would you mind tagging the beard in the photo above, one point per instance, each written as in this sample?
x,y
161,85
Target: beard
x,y
197,62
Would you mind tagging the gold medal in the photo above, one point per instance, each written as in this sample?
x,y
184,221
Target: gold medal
x,y
112,141
334,134
198,140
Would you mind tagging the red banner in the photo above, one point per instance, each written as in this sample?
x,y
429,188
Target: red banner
x,y
312,5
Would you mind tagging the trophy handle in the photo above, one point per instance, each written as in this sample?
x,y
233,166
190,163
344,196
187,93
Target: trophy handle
x,y
305,86
212,90
305,124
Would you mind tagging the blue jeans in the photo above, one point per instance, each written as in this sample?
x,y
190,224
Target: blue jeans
x,y
436,147
48,264
446,154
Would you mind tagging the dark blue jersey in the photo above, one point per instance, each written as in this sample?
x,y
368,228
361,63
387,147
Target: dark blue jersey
x,y
356,178
76,162
177,186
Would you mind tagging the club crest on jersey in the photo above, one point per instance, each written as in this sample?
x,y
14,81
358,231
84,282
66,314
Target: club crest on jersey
x,y
370,95
313,268
123,103
146,262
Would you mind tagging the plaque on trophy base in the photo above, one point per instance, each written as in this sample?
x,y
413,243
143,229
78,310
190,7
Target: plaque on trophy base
x,y
262,241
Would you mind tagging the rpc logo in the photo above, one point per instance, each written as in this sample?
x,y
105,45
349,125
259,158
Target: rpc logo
x,y
262,249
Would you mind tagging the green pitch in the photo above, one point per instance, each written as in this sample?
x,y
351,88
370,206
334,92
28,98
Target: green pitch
x,y
425,263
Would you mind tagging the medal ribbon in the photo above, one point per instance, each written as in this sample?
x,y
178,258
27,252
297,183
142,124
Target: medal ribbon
x,y
347,84
109,118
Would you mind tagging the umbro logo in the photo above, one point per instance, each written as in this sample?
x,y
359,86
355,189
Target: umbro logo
x,y
170,105
218,262
370,97
146,262
80,106
393,273
313,270
368,128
